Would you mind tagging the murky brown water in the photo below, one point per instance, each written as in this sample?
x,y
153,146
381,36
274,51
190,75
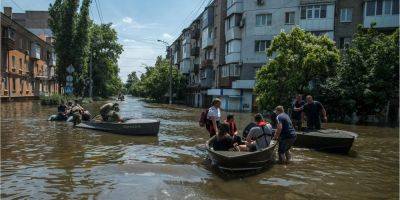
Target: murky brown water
x,y
53,160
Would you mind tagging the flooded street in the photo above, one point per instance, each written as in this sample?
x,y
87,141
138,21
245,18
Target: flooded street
x,y
53,160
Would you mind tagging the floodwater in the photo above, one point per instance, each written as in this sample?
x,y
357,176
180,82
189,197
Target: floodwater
x,y
53,160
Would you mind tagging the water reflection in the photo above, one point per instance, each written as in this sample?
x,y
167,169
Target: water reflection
x,y
53,160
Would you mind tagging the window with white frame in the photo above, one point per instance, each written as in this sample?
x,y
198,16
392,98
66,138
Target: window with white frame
x,y
261,45
346,14
231,70
313,12
289,18
382,7
264,20
233,21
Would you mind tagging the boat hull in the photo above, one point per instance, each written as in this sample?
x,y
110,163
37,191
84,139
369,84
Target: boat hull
x,y
242,161
137,127
334,141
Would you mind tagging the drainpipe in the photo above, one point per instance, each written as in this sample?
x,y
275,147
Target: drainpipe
x,y
8,75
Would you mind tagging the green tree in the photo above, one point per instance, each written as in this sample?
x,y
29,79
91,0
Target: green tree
x,y
297,58
367,80
132,80
154,83
105,51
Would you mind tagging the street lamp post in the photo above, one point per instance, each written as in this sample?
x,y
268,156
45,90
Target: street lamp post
x,y
170,69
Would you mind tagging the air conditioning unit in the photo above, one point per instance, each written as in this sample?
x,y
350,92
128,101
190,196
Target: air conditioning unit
x,y
242,22
260,2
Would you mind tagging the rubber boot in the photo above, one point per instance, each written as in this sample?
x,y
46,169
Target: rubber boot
x,y
282,159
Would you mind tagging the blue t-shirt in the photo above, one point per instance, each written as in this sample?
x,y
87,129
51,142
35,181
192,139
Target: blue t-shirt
x,y
287,127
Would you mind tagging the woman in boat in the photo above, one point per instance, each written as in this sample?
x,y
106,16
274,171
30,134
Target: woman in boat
x,y
222,141
259,137
214,117
233,132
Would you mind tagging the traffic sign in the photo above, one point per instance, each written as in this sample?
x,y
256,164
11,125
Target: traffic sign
x,y
70,69
70,78
68,89
69,84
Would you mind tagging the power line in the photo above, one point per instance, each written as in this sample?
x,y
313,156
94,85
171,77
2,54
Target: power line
x,y
98,11
195,10
17,5
101,10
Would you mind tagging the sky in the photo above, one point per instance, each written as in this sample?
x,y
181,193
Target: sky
x,y
139,24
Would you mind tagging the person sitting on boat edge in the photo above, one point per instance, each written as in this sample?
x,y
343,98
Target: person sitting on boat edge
x,y
285,133
259,137
214,117
222,141
233,132
109,113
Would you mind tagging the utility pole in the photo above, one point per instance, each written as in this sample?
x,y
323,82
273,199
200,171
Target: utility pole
x,y
90,78
170,69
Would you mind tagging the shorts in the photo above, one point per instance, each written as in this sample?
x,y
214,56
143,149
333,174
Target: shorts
x,y
285,144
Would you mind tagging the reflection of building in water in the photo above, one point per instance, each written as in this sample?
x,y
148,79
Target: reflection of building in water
x,y
27,58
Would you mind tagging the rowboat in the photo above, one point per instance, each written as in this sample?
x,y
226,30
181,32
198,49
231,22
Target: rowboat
x,y
335,141
138,127
240,160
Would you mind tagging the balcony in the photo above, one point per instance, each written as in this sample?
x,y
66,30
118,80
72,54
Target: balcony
x,y
35,51
196,68
207,42
206,63
185,66
233,33
382,21
8,39
236,7
52,62
243,84
195,51
195,34
232,57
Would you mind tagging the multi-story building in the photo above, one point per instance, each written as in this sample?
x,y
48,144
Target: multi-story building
x,y
27,62
236,34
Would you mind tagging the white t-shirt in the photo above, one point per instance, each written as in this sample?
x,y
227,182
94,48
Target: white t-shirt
x,y
214,112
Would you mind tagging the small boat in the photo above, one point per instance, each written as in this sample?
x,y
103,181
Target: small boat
x,y
241,160
330,140
138,127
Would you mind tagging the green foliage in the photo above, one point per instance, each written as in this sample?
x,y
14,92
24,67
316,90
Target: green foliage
x,y
133,79
154,84
54,99
105,51
367,79
298,58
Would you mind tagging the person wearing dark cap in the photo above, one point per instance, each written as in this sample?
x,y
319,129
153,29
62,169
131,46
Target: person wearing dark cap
x,y
222,141
259,136
285,134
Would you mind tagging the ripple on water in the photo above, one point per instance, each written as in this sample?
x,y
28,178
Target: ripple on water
x,y
280,182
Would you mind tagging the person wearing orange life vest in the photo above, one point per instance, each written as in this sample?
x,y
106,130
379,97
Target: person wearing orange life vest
x,y
259,136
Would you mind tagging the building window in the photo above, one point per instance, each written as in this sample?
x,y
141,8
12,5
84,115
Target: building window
x,y
231,70
313,12
395,7
203,74
387,5
344,42
20,63
264,20
379,6
370,8
261,45
14,83
346,14
289,18
233,21
5,83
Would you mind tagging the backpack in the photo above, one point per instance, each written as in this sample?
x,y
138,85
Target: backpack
x,y
203,118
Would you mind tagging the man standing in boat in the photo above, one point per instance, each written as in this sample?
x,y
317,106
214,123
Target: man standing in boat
x,y
313,110
285,134
297,114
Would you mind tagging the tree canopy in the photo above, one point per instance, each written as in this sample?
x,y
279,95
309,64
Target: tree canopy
x,y
296,58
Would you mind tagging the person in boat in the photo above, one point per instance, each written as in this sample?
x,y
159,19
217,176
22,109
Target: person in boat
x,y
248,128
109,112
214,117
285,134
259,136
62,111
233,131
313,110
297,114
76,112
222,141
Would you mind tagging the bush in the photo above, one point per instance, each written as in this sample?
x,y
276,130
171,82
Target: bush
x,y
54,99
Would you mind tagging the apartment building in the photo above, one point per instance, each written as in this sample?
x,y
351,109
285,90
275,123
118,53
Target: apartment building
x,y
235,36
27,62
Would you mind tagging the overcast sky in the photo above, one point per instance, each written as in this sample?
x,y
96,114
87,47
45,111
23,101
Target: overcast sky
x,y
139,24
